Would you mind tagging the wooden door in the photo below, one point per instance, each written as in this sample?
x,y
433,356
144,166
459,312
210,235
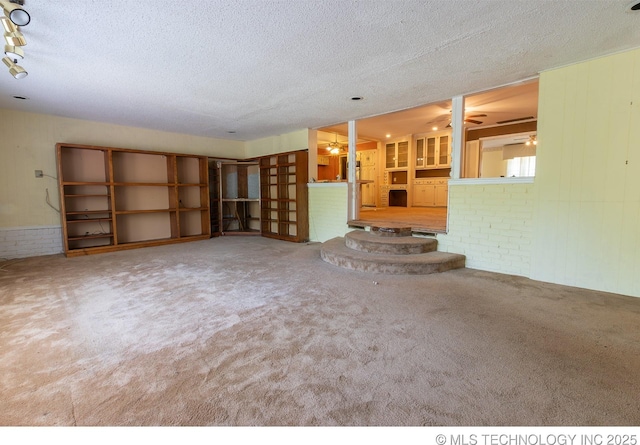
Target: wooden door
x,y
368,173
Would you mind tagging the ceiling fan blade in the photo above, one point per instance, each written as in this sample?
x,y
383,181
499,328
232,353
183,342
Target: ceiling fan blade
x,y
477,115
472,121
438,120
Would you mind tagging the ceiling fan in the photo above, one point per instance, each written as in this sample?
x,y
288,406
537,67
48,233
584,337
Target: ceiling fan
x,y
469,119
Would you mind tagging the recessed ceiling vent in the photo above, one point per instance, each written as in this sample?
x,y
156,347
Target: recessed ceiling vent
x,y
511,121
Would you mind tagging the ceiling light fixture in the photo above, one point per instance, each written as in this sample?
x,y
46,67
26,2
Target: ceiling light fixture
x,y
15,38
532,140
334,147
13,52
14,69
8,25
14,12
15,17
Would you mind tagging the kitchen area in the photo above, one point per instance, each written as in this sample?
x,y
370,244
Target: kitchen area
x,y
402,180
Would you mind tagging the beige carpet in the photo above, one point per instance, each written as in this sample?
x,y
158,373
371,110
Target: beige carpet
x,y
252,331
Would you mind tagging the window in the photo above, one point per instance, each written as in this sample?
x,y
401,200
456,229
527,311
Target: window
x,y
525,166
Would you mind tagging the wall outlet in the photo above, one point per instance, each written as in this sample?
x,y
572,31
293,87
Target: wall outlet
x,y
39,174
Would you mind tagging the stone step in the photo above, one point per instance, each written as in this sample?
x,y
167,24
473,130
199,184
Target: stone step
x,y
335,251
392,245
390,230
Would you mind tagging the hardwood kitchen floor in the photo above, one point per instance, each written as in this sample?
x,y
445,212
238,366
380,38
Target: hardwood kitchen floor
x,y
421,219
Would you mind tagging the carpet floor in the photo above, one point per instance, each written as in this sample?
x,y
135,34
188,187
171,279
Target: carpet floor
x,y
253,331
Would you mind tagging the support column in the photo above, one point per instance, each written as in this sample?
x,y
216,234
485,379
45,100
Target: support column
x,y
313,155
354,209
457,125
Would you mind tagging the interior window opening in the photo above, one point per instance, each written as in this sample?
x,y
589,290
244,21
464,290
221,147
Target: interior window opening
x,y
495,150
404,161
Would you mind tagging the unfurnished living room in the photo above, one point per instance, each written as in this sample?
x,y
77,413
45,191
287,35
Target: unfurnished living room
x,y
195,201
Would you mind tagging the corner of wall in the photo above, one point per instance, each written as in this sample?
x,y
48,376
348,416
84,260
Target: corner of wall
x,y
293,141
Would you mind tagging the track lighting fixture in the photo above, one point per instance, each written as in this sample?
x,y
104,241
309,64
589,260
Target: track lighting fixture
x,y
15,38
14,69
14,12
13,52
8,25
14,17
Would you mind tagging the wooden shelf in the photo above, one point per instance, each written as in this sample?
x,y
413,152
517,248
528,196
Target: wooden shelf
x,y
136,212
95,236
74,221
84,183
87,196
284,203
88,212
144,184
150,198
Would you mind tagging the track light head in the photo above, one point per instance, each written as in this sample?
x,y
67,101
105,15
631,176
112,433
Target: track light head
x,y
15,13
15,70
8,25
13,52
15,38
18,72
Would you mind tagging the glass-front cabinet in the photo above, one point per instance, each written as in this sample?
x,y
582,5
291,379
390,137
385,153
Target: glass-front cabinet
x,y
433,151
397,155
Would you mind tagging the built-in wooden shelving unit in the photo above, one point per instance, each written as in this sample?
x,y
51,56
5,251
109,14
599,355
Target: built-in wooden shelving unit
x,y
284,202
115,198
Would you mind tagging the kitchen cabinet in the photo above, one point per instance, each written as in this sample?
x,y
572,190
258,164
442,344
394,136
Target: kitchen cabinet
x,y
433,152
430,192
367,160
324,160
397,155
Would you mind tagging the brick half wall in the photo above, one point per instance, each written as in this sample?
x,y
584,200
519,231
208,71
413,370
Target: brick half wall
x,y
328,211
492,225
22,242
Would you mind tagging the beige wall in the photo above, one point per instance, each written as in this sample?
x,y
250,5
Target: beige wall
x,y
28,144
492,164
296,140
588,176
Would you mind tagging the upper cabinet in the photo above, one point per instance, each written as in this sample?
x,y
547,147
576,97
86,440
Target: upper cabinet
x,y
397,155
433,151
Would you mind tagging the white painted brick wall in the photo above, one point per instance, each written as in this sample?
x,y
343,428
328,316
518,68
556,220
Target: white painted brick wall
x,y
328,211
492,225
22,242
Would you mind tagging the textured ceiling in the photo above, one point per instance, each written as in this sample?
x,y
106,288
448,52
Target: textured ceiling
x,y
262,67
511,103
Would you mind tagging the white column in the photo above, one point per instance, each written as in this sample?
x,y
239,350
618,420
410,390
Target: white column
x,y
457,124
313,155
354,211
